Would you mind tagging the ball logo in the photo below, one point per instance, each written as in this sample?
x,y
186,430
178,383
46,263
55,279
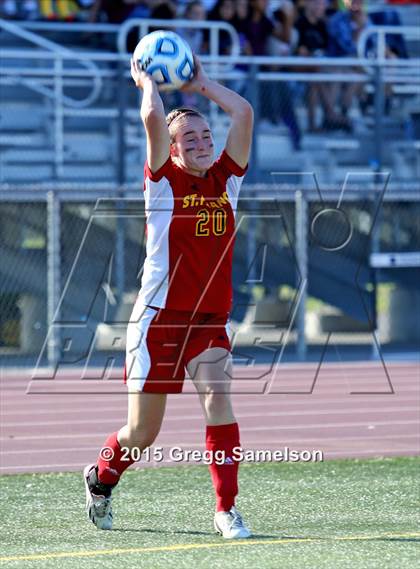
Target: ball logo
x,y
144,64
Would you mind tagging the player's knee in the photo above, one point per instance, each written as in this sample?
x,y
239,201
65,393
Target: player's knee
x,y
218,407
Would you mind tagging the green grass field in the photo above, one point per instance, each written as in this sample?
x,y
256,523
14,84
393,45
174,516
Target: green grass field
x,y
337,514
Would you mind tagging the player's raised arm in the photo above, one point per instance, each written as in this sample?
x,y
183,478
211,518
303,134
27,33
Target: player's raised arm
x,y
153,116
238,143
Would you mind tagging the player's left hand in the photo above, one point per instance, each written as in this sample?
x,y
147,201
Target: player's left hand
x,y
199,79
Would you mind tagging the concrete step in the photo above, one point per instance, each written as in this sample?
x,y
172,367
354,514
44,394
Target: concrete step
x,y
14,173
21,116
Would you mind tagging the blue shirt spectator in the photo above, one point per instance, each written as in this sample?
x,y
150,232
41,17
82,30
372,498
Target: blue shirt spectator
x,y
344,29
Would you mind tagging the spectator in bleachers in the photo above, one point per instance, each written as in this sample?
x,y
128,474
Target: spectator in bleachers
x,y
242,9
344,29
312,30
64,10
117,11
163,9
395,44
284,40
223,10
198,41
276,101
257,27
334,6
196,37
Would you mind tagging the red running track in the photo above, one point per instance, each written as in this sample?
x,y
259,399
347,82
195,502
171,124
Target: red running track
x,y
352,410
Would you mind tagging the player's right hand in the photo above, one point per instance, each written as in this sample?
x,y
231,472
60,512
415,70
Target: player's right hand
x,y
139,76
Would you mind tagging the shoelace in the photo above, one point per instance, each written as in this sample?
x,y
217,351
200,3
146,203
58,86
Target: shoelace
x,y
102,507
237,522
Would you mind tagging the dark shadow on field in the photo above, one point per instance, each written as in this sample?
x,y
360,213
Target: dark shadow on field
x,y
160,531
186,532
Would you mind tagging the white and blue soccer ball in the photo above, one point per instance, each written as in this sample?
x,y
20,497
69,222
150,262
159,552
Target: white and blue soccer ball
x,y
167,58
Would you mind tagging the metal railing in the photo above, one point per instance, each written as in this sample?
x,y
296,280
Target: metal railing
x,y
143,25
114,69
59,53
48,73
379,34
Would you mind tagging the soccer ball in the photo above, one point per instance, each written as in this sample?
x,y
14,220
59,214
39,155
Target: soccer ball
x,y
167,58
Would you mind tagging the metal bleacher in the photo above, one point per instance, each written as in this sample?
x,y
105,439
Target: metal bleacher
x,y
89,147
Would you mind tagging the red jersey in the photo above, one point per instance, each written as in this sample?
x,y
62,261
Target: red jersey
x,y
190,225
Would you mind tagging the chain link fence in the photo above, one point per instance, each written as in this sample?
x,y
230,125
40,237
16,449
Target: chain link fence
x,y
71,268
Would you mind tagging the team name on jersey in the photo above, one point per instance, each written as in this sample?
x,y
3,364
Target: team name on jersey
x,y
194,200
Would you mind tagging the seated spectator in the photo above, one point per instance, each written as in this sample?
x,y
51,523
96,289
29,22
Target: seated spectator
x,y
224,11
114,11
242,9
344,29
334,6
313,42
63,10
395,43
197,39
276,100
283,40
117,12
162,9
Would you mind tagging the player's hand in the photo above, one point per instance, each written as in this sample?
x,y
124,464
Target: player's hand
x,y
199,79
139,76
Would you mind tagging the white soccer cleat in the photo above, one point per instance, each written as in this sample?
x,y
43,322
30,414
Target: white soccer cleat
x,y
230,525
98,508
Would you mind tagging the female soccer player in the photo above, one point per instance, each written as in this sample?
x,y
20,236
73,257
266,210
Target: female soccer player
x,y
180,317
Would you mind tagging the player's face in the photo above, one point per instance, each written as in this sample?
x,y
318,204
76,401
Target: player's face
x,y
193,145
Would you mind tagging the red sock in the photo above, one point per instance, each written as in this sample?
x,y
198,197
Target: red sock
x,y
110,465
224,476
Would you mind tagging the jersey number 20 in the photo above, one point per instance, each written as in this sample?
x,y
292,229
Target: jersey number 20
x,y
203,225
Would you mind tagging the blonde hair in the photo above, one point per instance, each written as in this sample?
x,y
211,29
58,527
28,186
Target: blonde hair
x,y
173,116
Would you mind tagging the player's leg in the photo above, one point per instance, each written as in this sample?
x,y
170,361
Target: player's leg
x,y
145,415
146,407
211,373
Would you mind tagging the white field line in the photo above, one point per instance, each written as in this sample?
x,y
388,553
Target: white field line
x,y
286,365
243,429
333,379
27,400
257,371
294,390
200,417
32,399
237,405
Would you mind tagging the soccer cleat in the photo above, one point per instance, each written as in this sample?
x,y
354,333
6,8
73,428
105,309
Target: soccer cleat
x,y
98,508
230,525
